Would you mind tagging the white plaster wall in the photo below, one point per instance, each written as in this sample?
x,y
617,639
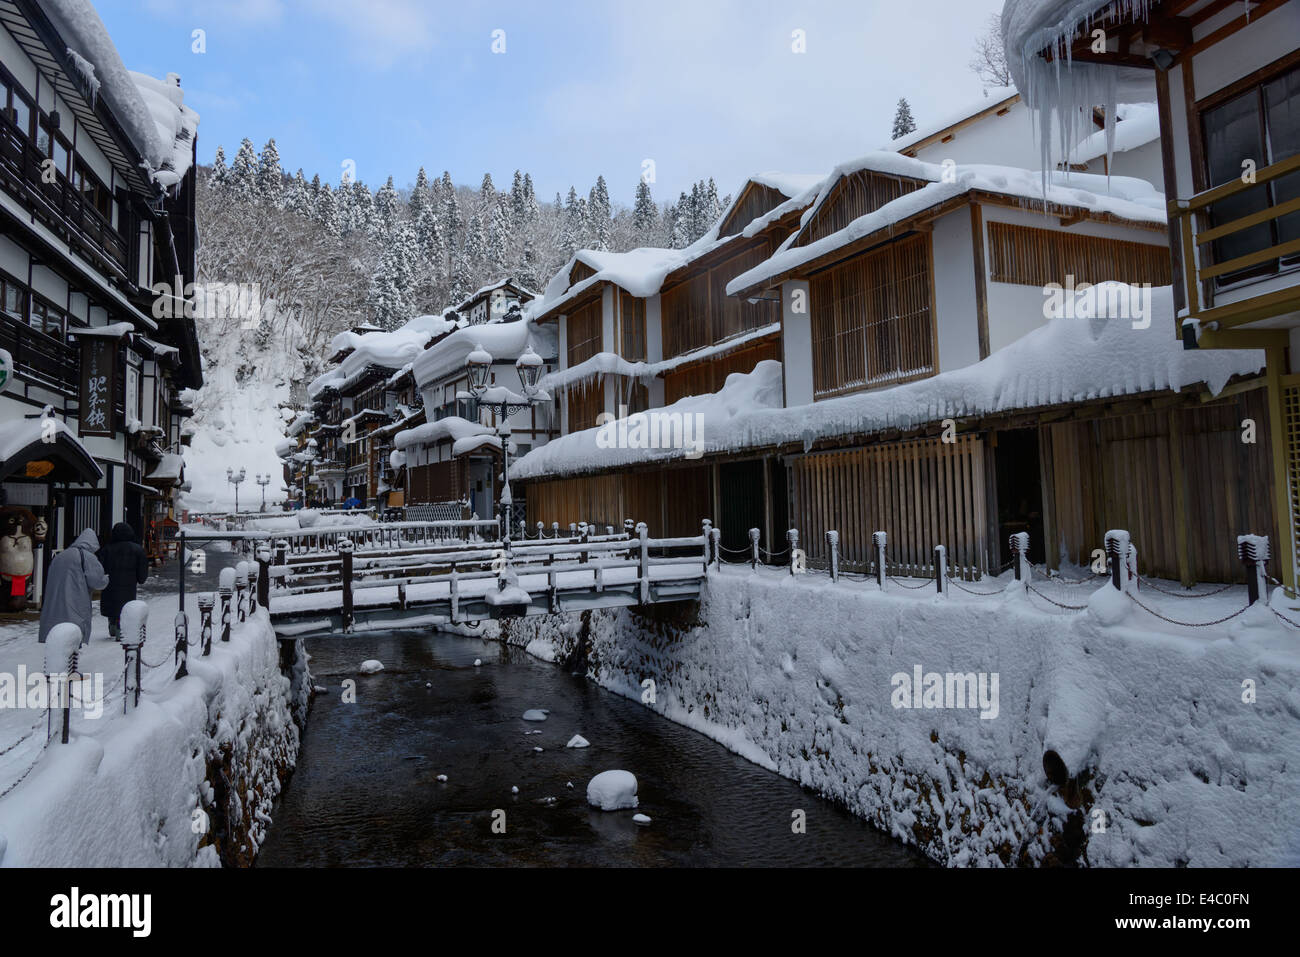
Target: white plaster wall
x,y
796,344
956,315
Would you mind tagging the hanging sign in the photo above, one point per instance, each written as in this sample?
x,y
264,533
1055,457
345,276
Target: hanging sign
x,y
98,385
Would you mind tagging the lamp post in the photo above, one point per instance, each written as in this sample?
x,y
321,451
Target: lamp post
x,y
309,455
264,481
234,478
505,403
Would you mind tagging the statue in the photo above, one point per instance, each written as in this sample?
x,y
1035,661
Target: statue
x,y
20,532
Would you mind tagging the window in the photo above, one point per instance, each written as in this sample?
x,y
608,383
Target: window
x,y
1030,256
632,312
585,334
47,319
872,321
13,299
1260,125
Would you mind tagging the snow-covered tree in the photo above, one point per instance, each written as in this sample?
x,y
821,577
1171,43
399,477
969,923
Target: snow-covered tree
x,y
219,170
389,301
598,214
387,205
242,180
270,176
327,210
903,122
421,195
497,236
645,214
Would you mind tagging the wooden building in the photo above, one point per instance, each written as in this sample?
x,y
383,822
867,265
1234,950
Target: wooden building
x,y
1227,80
97,261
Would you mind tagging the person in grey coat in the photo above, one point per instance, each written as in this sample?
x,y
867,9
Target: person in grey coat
x,y
74,574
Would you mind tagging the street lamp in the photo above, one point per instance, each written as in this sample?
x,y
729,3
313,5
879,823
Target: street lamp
x,y
505,403
264,481
308,456
234,478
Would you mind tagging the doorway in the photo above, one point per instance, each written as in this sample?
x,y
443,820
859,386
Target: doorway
x,y
1019,492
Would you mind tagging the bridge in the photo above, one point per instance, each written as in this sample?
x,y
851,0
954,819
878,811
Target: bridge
x,y
393,575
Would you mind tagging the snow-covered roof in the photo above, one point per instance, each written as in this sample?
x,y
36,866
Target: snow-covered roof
x,y
993,98
391,350
642,271
1125,198
1136,125
169,469
1064,91
18,435
452,427
151,112
1065,360
506,341
492,287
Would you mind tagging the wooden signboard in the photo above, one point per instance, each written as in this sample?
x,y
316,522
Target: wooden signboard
x,y
98,385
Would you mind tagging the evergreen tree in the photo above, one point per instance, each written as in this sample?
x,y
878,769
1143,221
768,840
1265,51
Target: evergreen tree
x,y
518,202
680,235
497,235
487,194
531,211
242,180
364,219
327,210
475,245
645,215
387,203
219,170
270,177
598,213
421,195
389,298
297,199
903,122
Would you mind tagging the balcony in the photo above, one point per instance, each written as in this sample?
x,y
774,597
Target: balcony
x,y
1260,278
57,204
38,358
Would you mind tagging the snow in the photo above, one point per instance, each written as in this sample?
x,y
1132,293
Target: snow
x,y
641,819
993,96
578,741
1064,360
114,330
505,341
61,644
534,714
371,666
612,790
18,434
1183,772
452,427
610,363
150,112
168,469
1137,124
1063,93
1123,197
125,791
391,350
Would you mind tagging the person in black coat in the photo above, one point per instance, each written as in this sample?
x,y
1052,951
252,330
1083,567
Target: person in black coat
x,y
127,566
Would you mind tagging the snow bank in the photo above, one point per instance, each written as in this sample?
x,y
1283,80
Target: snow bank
x,y
151,789
799,675
1064,360
612,790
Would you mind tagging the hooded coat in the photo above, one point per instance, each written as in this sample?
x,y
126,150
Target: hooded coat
x,y
126,565
74,574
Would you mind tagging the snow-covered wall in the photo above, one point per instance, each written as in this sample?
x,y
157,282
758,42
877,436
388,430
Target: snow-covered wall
x,y
189,779
797,674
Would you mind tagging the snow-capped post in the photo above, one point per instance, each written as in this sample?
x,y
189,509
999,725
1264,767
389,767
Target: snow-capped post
x,y
1119,553
453,583
706,528
263,572
61,649
281,551
345,559
207,601
182,655
135,621
878,542
540,529
573,529
226,588
754,535
1019,546
1254,552
583,530
241,587
792,536
523,530
716,535
629,528
609,531
401,596
643,561
941,569
555,529
833,551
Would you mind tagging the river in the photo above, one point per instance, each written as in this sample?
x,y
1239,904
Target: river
x,y
366,789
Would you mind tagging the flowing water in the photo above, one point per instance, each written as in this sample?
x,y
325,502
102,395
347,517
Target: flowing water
x,y
366,789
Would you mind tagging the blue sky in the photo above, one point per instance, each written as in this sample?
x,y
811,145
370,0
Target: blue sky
x,y
701,87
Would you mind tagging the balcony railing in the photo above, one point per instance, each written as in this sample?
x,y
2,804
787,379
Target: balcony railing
x,y
56,204
38,358
1200,270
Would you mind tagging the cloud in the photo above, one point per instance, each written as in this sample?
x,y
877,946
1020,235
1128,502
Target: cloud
x,y
382,33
